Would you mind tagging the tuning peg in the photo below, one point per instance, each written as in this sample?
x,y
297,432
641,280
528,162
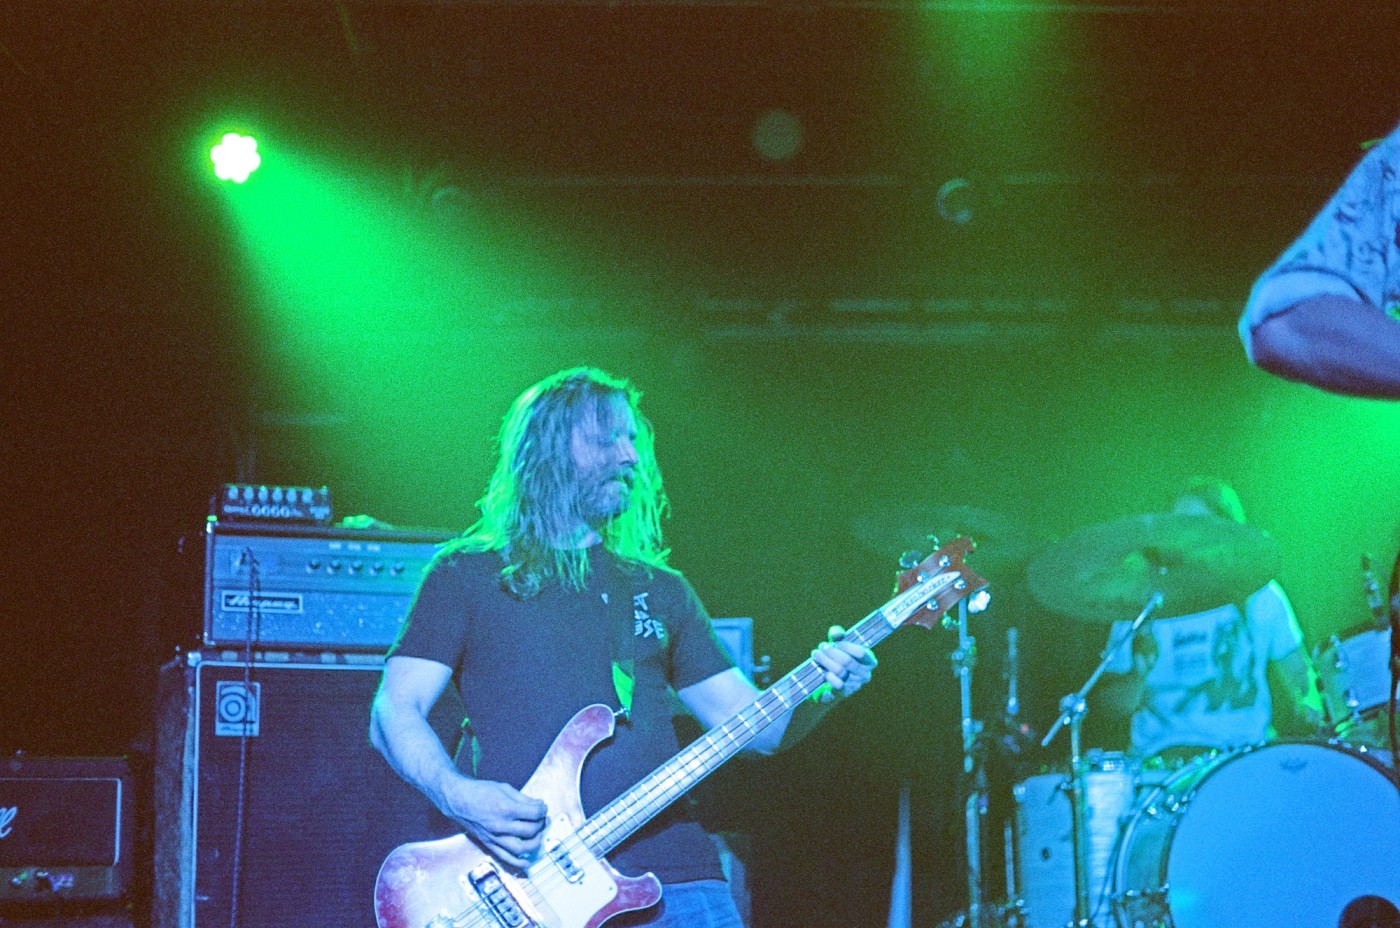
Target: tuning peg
x,y
910,559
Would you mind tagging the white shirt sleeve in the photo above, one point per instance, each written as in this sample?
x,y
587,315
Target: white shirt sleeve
x,y
1271,615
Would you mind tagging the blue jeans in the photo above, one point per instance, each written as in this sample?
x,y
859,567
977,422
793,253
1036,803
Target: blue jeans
x,y
701,904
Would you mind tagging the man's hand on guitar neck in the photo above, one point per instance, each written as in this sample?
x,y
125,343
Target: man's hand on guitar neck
x,y
503,820
848,666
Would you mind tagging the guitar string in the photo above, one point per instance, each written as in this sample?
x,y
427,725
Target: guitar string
x,y
616,822
869,631
656,788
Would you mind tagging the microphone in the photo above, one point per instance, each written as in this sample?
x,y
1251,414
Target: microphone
x,y
1013,673
1373,591
1012,735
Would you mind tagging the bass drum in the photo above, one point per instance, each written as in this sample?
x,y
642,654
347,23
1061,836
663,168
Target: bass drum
x,y
1285,834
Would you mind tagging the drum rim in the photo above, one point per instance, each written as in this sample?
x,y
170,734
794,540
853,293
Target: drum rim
x,y
1350,632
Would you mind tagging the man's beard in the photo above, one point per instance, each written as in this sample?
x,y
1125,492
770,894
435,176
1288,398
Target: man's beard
x,y
604,498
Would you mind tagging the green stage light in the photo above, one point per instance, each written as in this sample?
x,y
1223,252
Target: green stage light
x,y
235,157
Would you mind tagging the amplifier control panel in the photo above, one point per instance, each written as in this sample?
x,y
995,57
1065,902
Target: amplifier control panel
x,y
311,588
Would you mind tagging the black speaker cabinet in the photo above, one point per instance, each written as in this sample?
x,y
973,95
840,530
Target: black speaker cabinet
x,y
272,808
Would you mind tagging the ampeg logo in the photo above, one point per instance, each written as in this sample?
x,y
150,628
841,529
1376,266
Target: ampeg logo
x,y
236,708
240,601
7,818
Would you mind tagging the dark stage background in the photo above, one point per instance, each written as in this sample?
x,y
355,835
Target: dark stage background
x,y
827,349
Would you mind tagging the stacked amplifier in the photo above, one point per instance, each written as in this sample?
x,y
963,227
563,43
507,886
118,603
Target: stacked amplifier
x,y
271,806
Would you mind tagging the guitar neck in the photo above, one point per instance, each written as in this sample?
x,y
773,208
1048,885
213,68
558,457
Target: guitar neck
x,y
673,779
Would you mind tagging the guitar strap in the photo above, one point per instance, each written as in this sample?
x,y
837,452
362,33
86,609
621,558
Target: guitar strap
x,y
622,640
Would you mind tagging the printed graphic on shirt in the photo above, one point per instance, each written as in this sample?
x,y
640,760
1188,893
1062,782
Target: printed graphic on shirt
x,y
643,625
1216,665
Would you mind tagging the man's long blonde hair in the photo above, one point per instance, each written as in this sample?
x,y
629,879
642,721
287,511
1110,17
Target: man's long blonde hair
x,y
532,499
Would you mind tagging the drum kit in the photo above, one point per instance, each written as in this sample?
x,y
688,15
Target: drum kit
x,y
1302,832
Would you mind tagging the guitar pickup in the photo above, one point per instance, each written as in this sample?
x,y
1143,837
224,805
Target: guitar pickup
x,y
561,859
492,891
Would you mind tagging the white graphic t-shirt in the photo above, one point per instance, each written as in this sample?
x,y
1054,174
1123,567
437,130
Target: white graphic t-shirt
x,y
1209,683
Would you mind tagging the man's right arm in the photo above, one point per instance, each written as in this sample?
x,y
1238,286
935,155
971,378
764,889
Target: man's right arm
x,y
1333,342
1319,315
504,821
1120,691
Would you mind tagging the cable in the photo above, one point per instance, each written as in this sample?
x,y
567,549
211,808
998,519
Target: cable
x,y
253,633
1394,665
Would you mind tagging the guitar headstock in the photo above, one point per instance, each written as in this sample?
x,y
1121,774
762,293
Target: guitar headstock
x,y
935,585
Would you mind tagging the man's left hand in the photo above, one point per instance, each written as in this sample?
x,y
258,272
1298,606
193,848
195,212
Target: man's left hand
x,y
847,665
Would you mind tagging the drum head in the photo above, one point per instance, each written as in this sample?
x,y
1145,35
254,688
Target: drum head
x,y
1282,835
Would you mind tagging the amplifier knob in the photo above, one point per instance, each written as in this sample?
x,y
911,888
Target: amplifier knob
x,y
313,565
335,566
377,568
357,566
396,569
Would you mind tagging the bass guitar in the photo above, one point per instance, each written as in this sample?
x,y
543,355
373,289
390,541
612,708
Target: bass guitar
x,y
454,883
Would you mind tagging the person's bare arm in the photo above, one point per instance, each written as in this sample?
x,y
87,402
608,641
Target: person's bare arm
x,y
507,823
1343,345
848,667
1298,682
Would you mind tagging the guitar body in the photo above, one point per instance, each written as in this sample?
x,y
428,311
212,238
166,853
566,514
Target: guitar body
x,y
453,882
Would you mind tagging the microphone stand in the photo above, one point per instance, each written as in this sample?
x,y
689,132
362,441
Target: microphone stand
x,y
1073,708
964,658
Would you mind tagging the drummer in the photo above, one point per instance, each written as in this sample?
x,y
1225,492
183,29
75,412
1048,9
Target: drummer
x,y
1196,682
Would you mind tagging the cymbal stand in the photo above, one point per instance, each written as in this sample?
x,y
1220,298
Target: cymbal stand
x,y
1073,708
964,658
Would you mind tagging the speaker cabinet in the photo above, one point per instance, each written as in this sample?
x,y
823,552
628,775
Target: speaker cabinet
x,y
272,807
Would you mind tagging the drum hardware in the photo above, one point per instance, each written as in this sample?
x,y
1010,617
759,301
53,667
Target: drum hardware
x,y
1044,856
1354,675
1073,708
964,659
1004,545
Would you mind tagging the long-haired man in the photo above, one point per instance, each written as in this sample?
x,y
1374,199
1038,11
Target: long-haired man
x,y
560,597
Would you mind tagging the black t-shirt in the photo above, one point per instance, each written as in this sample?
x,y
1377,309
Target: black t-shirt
x,y
525,667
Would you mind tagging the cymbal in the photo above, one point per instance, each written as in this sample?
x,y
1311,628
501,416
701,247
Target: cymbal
x,y
1110,571
1004,545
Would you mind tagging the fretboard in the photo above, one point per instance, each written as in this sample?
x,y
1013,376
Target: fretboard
x,y
667,783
